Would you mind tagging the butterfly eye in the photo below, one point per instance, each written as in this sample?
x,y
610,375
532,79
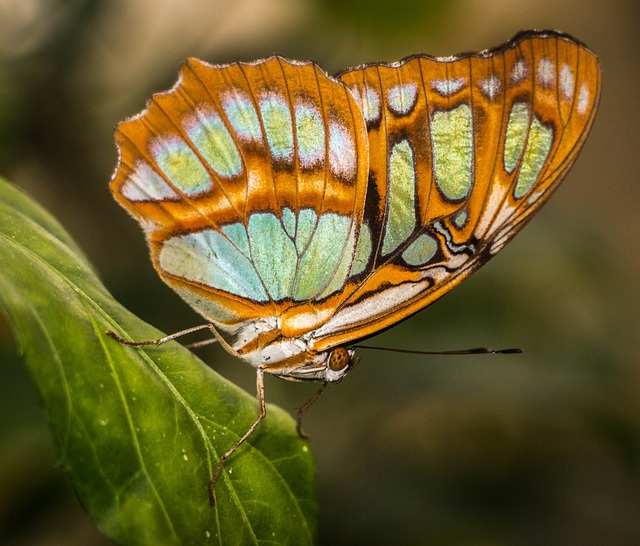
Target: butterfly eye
x,y
339,359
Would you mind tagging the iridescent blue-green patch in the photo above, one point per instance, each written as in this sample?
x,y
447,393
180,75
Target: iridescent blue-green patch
x,y
452,145
242,115
341,273
420,251
539,144
181,165
460,219
322,257
210,136
276,119
237,234
310,136
289,222
209,258
273,254
516,135
401,189
363,252
307,219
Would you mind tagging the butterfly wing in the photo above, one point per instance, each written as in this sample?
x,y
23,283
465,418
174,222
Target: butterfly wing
x,y
331,209
249,182
463,151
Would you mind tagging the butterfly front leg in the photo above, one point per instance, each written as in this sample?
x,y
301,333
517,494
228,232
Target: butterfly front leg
x,y
232,351
232,449
176,335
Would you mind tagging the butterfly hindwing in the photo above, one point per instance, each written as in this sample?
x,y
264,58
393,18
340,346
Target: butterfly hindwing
x,y
249,180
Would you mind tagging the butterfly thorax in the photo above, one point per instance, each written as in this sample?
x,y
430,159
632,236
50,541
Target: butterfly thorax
x,y
263,345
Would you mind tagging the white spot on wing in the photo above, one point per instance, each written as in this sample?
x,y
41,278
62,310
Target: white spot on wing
x,y
519,71
583,98
546,72
449,87
368,101
567,81
490,86
342,152
402,98
144,184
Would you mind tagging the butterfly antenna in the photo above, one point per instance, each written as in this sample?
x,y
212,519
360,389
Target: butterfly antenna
x,y
473,351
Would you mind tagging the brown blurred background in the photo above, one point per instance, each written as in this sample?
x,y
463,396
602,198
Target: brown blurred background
x,y
541,448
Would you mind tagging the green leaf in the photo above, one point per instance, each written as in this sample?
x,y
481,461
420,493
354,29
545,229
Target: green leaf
x,y
139,430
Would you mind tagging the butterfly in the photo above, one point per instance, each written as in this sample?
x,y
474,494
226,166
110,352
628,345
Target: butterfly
x,y
299,212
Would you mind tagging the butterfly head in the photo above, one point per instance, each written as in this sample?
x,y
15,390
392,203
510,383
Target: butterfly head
x,y
293,359
329,366
339,362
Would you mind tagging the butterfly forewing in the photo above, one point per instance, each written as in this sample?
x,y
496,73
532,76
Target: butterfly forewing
x,y
462,152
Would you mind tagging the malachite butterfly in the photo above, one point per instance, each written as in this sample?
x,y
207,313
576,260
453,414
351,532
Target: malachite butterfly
x,y
299,212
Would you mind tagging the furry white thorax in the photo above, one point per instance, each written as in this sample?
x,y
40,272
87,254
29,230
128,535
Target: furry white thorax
x,y
315,366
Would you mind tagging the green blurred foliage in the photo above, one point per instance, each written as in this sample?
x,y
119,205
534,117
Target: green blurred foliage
x,y
538,448
383,22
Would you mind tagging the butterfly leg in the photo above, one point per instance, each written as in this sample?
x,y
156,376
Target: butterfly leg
x,y
164,339
304,408
217,339
234,447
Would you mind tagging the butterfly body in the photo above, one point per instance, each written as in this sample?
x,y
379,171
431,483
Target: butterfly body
x,y
300,212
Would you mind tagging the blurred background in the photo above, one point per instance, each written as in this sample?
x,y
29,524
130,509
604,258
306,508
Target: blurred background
x,y
539,448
